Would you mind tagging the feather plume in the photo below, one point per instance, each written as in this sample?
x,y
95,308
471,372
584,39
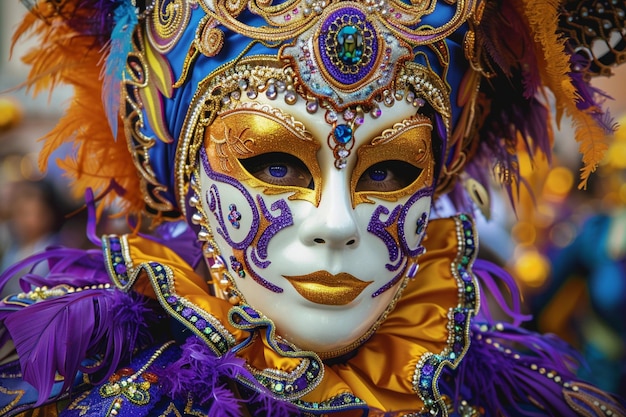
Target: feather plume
x,y
69,52
511,371
180,238
590,137
125,18
507,41
209,378
491,278
503,385
555,66
200,373
56,335
74,267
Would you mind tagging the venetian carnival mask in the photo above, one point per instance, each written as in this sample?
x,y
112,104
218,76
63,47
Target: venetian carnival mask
x,y
308,160
320,250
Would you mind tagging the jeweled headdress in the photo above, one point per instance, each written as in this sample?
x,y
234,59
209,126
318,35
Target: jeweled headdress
x,y
162,69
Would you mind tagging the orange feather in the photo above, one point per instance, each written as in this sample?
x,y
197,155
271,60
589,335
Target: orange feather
x,y
66,57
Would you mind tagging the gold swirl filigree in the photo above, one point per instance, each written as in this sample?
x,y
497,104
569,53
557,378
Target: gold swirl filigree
x,y
273,32
211,41
208,41
389,134
208,101
139,89
167,23
425,35
235,6
428,85
276,13
408,15
472,45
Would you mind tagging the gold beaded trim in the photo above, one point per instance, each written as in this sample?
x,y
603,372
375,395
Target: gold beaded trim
x,y
430,365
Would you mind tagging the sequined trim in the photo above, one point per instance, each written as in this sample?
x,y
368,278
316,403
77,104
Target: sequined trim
x,y
284,385
201,323
430,365
288,386
341,402
118,261
193,317
129,385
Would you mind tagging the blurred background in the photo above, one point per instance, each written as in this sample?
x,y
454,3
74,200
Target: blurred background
x,y
32,205
565,247
35,207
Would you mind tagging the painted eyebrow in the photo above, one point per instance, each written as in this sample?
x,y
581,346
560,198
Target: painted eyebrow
x,y
290,122
390,134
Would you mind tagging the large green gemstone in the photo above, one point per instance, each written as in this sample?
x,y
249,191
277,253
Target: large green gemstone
x,y
350,41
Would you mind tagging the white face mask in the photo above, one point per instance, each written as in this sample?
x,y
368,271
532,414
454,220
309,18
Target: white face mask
x,y
318,216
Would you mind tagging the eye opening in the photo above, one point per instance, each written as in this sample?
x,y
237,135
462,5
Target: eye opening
x,y
388,176
279,169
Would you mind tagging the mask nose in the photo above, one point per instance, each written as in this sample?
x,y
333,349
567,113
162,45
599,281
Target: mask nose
x,y
332,223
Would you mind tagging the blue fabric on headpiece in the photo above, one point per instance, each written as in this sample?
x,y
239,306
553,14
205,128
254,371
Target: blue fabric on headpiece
x,y
162,155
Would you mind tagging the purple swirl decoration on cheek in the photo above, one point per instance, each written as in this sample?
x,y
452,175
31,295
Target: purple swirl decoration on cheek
x,y
255,260
378,229
277,223
258,255
425,192
215,205
389,284
256,277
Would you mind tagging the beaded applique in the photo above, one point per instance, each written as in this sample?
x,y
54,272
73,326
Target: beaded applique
x,y
289,386
428,370
133,391
201,323
346,58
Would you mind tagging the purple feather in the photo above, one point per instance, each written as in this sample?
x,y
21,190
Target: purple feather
x,y
199,372
588,97
97,22
206,377
512,371
56,335
75,267
485,271
180,238
502,373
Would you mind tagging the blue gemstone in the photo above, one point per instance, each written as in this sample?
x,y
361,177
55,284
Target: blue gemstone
x,y
428,369
343,134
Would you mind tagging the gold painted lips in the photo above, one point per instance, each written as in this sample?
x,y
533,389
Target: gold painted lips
x,y
322,287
